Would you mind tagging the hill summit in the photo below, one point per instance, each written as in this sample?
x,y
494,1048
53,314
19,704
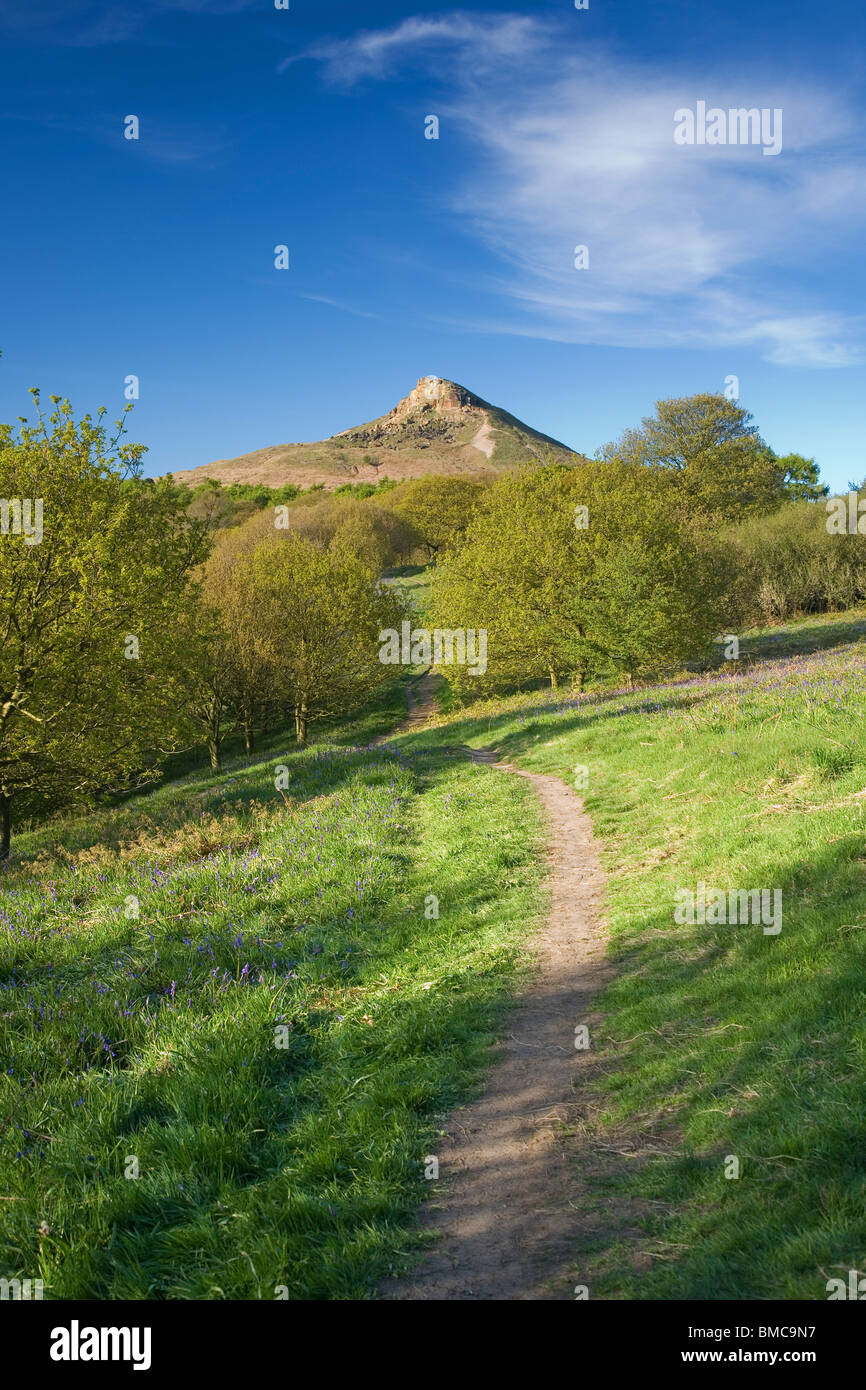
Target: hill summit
x,y
440,427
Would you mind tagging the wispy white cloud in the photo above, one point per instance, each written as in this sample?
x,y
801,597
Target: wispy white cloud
x,y
339,304
695,245
373,53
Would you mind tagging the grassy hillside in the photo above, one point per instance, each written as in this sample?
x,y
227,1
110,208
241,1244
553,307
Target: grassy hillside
x,y
466,436
261,1166
721,1040
359,459
150,1044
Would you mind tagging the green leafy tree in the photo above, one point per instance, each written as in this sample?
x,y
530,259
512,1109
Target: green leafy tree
x,y
211,690
709,445
439,509
232,682
318,615
801,478
577,571
364,526
358,534
90,613
788,563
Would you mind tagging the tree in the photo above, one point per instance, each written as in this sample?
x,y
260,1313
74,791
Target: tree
x,y
801,478
231,680
318,615
210,688
439,509
357,534
578,571
722,467
400,536
789,563
90,613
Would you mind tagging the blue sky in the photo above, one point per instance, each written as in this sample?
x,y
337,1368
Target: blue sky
x,y
409,256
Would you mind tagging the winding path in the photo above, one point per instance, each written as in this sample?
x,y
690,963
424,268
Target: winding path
x,y
507,1211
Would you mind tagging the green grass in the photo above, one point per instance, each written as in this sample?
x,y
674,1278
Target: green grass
x,y
263,1166
721,1040
816,633
414,583
155,1039
375,718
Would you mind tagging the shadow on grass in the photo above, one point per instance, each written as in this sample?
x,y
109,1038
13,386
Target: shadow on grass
x,y
730,1043
720,1043
262,1167
189,775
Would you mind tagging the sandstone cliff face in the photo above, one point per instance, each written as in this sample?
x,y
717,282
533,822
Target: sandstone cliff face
x,y
436,410
434,393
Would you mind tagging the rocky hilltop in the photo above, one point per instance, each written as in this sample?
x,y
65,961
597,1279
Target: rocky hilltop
x,y
440,427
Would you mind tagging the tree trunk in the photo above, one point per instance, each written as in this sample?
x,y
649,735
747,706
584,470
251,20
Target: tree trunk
x,y
301,722
554,681
211,715
5,826
578,680
248,724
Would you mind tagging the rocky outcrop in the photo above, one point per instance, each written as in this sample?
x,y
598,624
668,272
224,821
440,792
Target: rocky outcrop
x,y
437,394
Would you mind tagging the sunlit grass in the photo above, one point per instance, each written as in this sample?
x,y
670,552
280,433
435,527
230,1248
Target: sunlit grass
x,y
243,996
721,1040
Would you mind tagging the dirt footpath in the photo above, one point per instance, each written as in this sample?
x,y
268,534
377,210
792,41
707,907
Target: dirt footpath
x,y
506,1209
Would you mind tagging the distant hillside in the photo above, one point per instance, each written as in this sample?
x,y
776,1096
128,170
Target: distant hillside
x,y
439,427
